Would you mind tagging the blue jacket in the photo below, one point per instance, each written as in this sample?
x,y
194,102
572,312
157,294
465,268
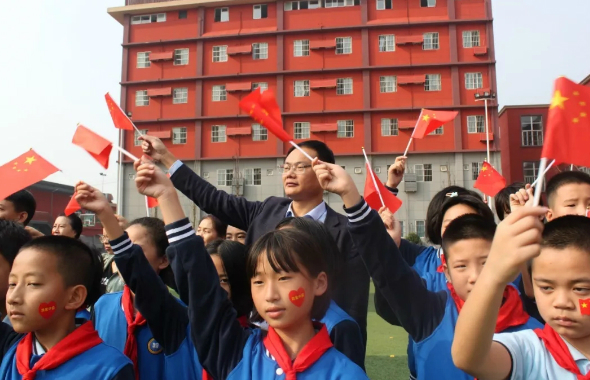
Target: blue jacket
x,y
345,334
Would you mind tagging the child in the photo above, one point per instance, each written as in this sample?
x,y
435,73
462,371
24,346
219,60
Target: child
x,y
235,234
560,267
19,207
429,317
51,278
12,237
289,283
568,193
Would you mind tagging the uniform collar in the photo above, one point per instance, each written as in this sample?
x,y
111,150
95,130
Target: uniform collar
x,y
317,214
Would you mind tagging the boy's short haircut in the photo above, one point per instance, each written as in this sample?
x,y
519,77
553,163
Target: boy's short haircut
x,y
570,231
502,199
12,237
465,227
23,201
562,179
76,263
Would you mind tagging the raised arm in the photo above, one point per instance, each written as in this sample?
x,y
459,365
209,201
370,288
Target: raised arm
x,y
516,241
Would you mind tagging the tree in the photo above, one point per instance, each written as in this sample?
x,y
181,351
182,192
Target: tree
x,y
413,237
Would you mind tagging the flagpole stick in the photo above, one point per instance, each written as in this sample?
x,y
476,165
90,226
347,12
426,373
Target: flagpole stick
x,y
372,176
545,172
147,206
301,150
537,196
126,153
412,137
408,147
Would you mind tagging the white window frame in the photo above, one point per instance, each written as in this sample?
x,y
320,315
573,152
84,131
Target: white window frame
x,y
471,38
180,95
473,81
253,177
223,14
225,177
143,59
141,98
387,84
428,3
419,171
476,124
531,131
219,53
431,41
422,223
218,133
301,48
344,86
386,43
475,169
530,171
259,133
343,45
136,140
433,82
338,3
260,50
389,127
381,5
345,129
301,88
262,85
219,93
181,57
148,19
179,135
438,131
301,130
258,15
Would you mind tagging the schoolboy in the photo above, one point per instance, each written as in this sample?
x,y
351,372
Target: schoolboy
x,y
19,207
561,277
429,317
12,237
568,193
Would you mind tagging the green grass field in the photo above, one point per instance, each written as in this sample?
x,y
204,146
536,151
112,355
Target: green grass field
x,y
386,348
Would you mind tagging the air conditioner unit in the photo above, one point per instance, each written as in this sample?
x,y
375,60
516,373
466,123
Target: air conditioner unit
x,y
205,174
377,169
465,166
270,172
358,170
444,168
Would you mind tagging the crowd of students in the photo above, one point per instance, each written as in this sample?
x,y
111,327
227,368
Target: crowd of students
x,y
279,289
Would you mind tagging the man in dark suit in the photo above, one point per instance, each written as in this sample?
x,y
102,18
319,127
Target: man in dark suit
x,y
305,198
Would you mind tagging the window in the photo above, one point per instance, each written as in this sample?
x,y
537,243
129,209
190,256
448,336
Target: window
x,y
219,93
88,220
432,82
260,11
530,170
137,141
470,38
532,130
430,41
384,4
387,43
260,50
343,86
343,45
475,169
143,60
389,127
179,135
220,53
428,3
345,129
301,130
259,133
341,3
218,133
473,81
263,86
423,172
225,177
253,177
182,14
437,131
181,57
301,88
142,98
295,5
388,84
301,48
221,14
180,95
420,228
475,124
146,19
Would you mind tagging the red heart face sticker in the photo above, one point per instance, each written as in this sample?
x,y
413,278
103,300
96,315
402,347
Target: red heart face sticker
x,y
47,309
297,297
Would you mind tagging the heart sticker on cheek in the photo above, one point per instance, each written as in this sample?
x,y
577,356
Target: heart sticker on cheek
x,y
47,309
297,297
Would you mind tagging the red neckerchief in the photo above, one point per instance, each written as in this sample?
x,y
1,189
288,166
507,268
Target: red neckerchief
x,y
80,340
244,321
443,261
511,312
131,342
559,351
313,350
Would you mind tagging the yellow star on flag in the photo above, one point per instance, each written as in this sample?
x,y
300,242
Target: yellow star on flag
x,y
584,305
558,100
583,114
576,120
484,169
30,160
425,117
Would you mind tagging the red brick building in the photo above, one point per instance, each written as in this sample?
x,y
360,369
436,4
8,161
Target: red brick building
x,y
352,73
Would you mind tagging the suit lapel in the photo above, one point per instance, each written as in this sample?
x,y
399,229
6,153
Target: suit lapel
x,y
332,222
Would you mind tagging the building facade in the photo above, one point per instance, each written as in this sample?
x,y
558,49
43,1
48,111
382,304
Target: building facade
x,y
352,73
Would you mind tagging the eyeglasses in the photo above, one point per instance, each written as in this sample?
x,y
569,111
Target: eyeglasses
x,y
298,168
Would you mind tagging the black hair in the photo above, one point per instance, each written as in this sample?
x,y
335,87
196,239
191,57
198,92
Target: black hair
x,y
23,201
75,223
433,214
322,151
233,255
157,232
562,179
12,237
219,227
287,250
567,231
469,226
474,202
76,263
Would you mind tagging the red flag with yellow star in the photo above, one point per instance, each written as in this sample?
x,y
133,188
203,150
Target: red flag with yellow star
x,y
568,124
23,171
489,181
97,146
120,120
430,120
584,306
263,107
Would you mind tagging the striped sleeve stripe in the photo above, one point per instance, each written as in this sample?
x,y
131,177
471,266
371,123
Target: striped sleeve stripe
x,y
121,247
180,237
174,231
179,233
359,215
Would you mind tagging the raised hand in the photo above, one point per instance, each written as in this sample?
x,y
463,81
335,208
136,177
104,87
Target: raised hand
x,y
91,199
395,173
335,179
393,226
151,181
155,148
523,197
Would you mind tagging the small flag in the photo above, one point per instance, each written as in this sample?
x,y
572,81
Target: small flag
x,y
489,181
430,120
72,206
568,124
120,120
584,306
371,195
23,171
152,202
97,146
263,108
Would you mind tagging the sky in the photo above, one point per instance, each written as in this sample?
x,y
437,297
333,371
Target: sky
x,y
59,58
